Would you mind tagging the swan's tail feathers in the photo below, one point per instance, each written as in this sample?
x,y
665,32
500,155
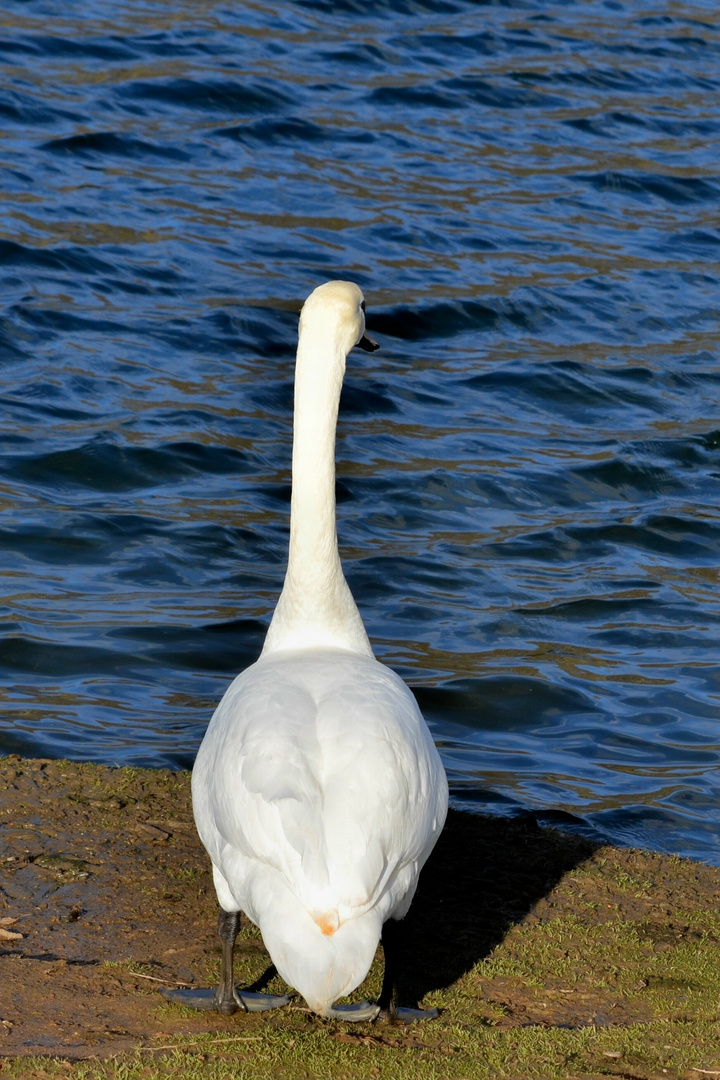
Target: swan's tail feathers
x,y
321,957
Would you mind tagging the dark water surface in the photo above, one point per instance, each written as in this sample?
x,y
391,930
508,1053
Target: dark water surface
x,y
529,194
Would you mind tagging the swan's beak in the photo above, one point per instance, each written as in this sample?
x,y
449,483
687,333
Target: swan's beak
x,y
369,344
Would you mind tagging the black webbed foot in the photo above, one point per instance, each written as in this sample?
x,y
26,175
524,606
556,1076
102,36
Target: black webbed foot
x,y
227,999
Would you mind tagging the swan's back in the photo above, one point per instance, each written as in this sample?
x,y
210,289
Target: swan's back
x,y
319,794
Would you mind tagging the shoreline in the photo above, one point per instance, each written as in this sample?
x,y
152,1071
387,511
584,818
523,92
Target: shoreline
x,y
516,932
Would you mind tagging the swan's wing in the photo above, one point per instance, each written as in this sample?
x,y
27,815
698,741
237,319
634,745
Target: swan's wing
x,y
385,796
254,768
324,772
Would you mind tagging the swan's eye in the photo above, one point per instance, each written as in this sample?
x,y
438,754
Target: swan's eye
x,y
362,305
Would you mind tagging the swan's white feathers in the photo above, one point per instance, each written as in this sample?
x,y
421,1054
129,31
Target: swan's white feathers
x,y
315,775
317,790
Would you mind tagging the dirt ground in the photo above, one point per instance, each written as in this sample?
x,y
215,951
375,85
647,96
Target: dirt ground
x,y
106,896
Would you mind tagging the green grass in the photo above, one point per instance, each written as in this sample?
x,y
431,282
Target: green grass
x,y
450,1051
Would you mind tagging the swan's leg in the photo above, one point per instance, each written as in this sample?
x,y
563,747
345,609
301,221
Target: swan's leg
x,y
386,1001
226,999
392,942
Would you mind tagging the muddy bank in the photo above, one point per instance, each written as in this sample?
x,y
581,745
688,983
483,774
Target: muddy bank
x,y
106,895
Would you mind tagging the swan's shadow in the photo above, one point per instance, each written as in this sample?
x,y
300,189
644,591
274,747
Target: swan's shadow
x,y
484,875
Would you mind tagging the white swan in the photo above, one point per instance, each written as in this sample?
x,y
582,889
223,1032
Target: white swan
x,y
317,791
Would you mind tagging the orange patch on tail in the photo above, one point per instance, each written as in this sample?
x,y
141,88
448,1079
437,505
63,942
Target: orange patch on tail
x,y
328,923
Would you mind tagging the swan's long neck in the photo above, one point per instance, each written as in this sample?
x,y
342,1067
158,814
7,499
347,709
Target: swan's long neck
x,y
316,607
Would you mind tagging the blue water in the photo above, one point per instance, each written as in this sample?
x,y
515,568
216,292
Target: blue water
x,y
529,498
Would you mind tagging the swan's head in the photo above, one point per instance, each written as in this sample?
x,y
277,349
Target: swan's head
x,y
337,310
